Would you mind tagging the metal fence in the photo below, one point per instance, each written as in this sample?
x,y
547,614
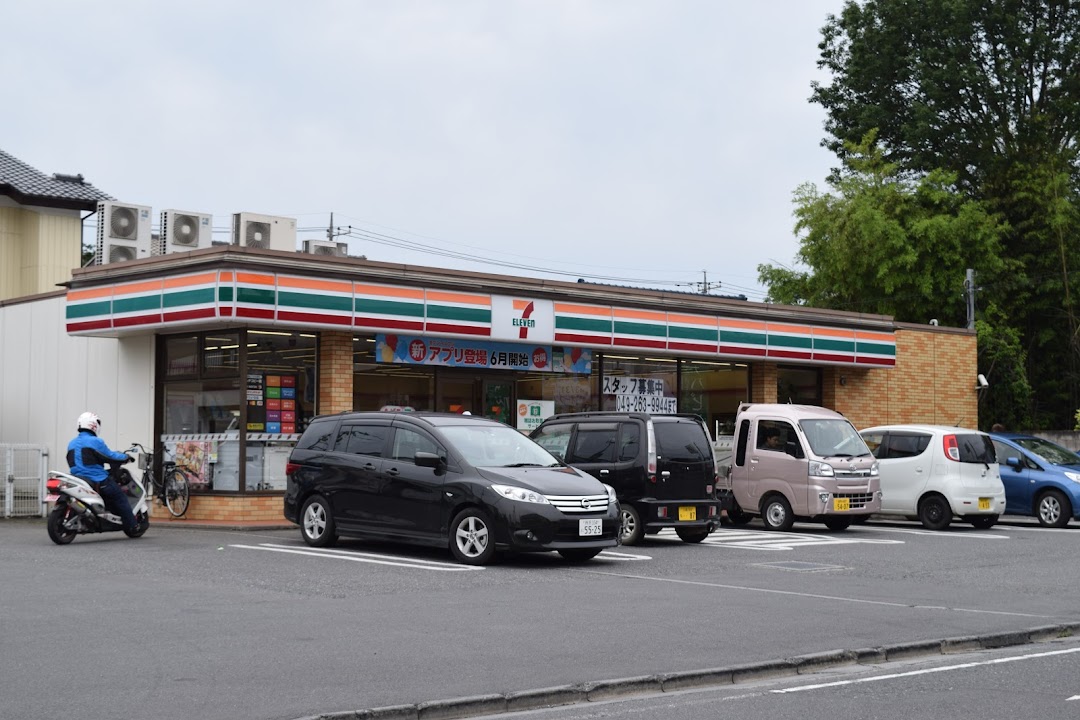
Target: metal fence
x,y
22,476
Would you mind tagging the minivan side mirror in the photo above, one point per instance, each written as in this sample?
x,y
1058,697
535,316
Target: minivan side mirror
x,y
431,460
1015,462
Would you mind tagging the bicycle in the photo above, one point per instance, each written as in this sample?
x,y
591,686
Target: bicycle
x,y
173,490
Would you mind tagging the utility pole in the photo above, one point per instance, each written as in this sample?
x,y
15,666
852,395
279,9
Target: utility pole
x,y
969,292
704,285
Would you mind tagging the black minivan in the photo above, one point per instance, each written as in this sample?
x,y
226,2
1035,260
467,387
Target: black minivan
x,y
661,466
444,480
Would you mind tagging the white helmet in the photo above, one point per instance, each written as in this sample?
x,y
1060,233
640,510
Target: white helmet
x,y
89,421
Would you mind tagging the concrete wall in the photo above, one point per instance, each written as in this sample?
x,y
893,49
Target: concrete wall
x,y
47,378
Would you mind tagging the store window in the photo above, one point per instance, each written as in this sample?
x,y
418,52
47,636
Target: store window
x,y
386,386
798,385
714,390
211,417
639,384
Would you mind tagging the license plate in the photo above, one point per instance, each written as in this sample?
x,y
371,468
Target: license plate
x,y
590,527
841,504
687,512
984,503
52,497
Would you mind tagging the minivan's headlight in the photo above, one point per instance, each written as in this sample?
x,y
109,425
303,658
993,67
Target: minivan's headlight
x,y
520,494
820,469
1075,477
611,492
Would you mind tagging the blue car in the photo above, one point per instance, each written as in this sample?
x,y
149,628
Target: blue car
x,y
1041,478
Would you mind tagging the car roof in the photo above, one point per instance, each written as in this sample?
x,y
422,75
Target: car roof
x,y
920,427
431,418
616,414
796,412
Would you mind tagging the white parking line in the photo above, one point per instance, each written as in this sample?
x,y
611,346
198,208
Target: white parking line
x,y
612,555
927,671
414,563
941,533
768,540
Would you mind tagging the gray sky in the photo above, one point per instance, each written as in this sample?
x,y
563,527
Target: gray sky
x,y
645,140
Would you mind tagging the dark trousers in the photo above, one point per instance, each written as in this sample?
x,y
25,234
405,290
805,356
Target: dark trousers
x,y
117,501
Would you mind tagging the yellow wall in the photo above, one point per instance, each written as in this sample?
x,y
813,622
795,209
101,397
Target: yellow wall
x,y
37,250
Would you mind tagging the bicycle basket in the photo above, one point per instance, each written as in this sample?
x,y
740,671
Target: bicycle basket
x,y
143,461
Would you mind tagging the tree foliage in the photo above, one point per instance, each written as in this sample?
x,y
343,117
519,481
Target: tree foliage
x,y
976,109
885,244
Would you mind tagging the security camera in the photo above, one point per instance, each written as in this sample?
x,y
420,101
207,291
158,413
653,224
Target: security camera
x,y
983,382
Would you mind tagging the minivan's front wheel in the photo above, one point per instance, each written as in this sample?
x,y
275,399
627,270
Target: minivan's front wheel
x,y
472,537
776,513
630,527
317,523
935,513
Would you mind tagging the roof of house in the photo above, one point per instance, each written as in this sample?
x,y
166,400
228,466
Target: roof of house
x,y
29,186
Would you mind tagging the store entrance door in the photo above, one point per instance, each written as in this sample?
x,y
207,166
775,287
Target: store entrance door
x,y
484,395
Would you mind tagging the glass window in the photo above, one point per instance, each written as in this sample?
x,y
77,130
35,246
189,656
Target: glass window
x,y
903,445
221,354
386,386
182,357
639,384
409,442
975,448
362,439
682,441
798,385
774,435
318,436
595,442
201,407
1051,452
629,441
713,390
555,438
569,393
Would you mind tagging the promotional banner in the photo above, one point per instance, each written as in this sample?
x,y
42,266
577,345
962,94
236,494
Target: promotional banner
x,y
530,413
469,353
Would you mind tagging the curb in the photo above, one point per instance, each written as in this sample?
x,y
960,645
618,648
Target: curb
x,y
562,695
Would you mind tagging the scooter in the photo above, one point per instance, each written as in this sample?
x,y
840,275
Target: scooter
x,y
79,509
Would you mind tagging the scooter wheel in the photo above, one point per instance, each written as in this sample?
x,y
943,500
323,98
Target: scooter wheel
x,y
57,532
144,523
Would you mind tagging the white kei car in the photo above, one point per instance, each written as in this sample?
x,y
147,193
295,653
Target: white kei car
x,y
936,472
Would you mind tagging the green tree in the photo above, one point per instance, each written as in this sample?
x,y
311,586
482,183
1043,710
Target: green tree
x,y
989,92
882,243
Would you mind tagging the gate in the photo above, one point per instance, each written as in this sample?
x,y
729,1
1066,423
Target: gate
x,y
22,475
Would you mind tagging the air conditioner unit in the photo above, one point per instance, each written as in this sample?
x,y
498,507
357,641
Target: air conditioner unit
x,y
181,231
264,231
326,247
123,232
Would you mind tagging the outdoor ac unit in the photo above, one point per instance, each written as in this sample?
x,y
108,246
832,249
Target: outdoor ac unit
x,y
264,231
123,232
326,247
182,231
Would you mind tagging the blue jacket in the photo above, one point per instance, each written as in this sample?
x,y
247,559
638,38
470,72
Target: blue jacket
x,y
87,454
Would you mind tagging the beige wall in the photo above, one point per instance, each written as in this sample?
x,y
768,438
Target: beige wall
x,y
38,250
934,382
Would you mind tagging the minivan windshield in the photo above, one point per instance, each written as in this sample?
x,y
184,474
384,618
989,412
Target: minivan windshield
x,y
1048,451
496,446
833,437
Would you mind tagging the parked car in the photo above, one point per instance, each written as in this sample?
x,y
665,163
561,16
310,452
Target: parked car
x,y
798,462
1041,478
935,472
474,485
661,466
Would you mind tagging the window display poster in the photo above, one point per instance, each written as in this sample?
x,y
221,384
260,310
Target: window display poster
x,y
194,456
271,403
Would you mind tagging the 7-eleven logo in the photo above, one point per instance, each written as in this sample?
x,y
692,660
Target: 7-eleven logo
x,y
523,323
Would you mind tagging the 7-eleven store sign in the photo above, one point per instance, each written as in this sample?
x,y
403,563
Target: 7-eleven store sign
x,y
522,319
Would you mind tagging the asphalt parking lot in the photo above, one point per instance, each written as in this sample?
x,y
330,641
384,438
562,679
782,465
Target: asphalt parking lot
x,y
222,624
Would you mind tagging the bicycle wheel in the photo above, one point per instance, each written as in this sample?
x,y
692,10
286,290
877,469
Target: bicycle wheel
x,y
177,492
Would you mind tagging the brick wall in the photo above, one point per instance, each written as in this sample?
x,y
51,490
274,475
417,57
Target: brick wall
x,y
226,509
933,382
335,372
763,382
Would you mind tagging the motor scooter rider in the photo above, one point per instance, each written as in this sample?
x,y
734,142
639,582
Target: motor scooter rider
x,y
87,455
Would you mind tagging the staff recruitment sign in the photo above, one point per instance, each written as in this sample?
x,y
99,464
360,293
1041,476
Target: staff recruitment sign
x,y
479,354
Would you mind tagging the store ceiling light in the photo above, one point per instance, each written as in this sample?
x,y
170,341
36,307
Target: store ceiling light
x,y
269,332
669,360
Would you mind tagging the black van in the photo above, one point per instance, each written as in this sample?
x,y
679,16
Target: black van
x,y
661,466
